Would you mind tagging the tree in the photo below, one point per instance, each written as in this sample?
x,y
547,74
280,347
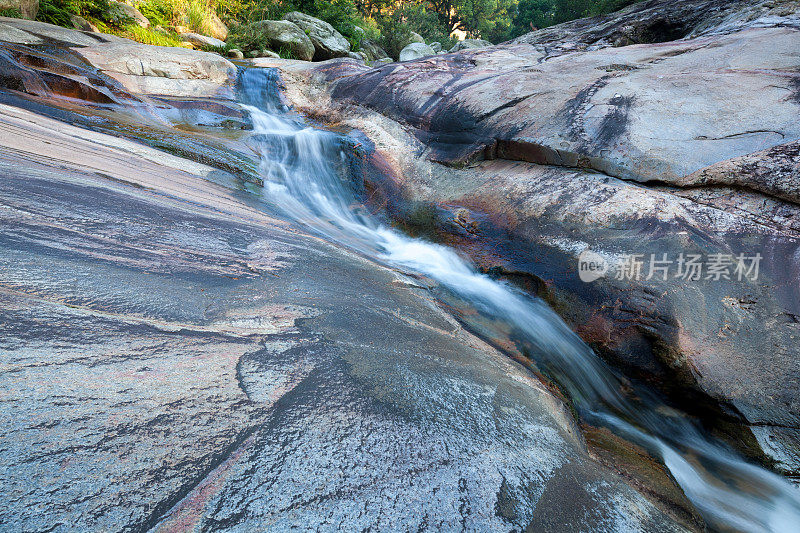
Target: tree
x,y
487,19
531,15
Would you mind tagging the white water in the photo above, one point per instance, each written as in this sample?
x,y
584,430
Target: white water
x,y
298,164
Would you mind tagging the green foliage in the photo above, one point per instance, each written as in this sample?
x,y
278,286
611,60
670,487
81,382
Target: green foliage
x,y
388,22
148,36
532,14
54,12
601,7
395,33
193,14
158,12
544,13
245,11
109,19
487,19
58,12
246,37
344,16
428,24
198,16
11,12
285,53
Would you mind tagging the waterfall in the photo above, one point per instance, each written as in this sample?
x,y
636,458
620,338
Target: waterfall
x,y
299,167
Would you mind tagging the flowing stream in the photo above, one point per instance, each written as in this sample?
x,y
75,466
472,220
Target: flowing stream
x,y
300,167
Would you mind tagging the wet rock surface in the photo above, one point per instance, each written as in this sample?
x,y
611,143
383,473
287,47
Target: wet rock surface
x,y
175,356
525,156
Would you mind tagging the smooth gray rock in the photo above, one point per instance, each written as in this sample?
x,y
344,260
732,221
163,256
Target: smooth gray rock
x,y
436,46
359,56
11,34
372,50
162,70
208,347
662,21
470,44
130,12
235,53
218,29
328,43
415,51
80,23
202,40
282,34
32,32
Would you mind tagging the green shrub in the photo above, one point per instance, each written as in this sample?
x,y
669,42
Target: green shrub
x,y
148,36
428,25
158,12
11,12
285,53
58,12
54,12
246,11
246,37
544,13
198,16
193,14
395,33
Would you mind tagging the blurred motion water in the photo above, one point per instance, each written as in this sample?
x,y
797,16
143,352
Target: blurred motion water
x,y
299,166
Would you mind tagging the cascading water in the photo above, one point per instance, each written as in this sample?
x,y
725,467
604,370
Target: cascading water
x,y
298,164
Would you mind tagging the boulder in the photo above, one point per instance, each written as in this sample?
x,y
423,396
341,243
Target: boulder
x,y
372,50
33,32
469,44
80,23
415,51
27,8
416,38
268,53
436,46
162,70
130,12
328,43
235,53
661,21
358,56
217,28
282,34
202,40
